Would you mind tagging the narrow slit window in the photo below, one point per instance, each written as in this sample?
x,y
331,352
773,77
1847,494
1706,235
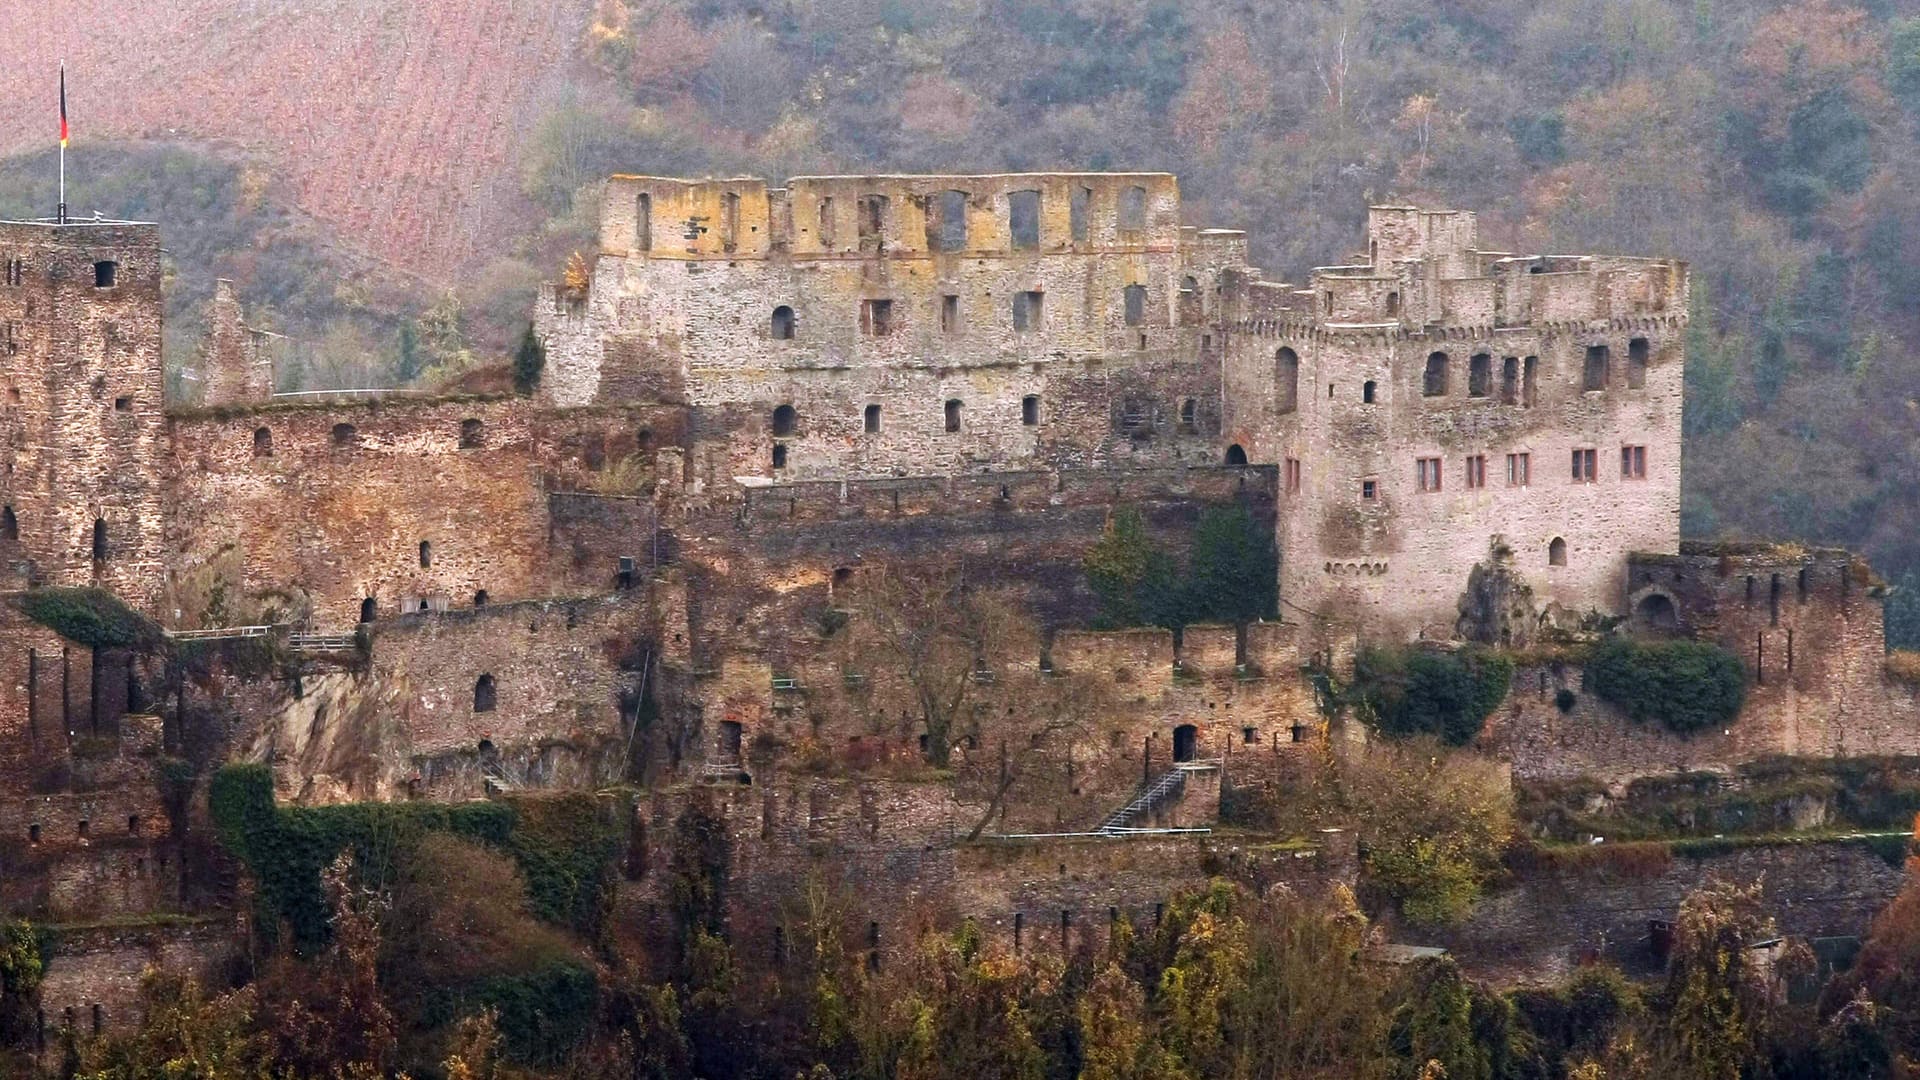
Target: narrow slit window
x,y
1030,410
9,524
99,539
1367,391
873,419
950,314
643,223
426,554
953,415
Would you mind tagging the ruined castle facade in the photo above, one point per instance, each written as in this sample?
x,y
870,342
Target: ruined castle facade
x,y
760,398
1422,406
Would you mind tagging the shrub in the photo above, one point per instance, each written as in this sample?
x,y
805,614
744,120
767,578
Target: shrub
x,y
1903,666
1422,692
529,362
1687,686
91,617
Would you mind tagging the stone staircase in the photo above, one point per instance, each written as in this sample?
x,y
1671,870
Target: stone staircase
x,y
1164,788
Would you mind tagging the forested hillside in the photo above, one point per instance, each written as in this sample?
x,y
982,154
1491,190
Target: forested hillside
x,y
1774,145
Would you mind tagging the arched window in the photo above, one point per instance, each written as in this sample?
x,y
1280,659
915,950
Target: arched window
x,y
783,420
1366,392
782,329
9,524
1286,380
1189,284
1557,552
1135,300
426,553
343,434
483,694
99,539
262,442
953,414
470,430
367,610
1236,455
1435,382
873,419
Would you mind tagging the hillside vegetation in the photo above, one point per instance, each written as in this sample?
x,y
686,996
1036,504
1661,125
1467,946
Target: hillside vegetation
x,y
1768,143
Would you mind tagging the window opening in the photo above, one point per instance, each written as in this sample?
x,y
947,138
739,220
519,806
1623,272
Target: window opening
x,y
781,328
1519,470
1479,375
1557,552
779,455
1633,463
1023,219
1528,367
1596,368
643,222
953,414
873,419
1030,410
1077,205
1369,490
1366,392
1476,471
1286,380
99,539
367,610
949,232
426,554
1133,209
1429,472
1637,363
1434,384
1026,310
262,442
105,273
950,314
1236,455
783,420
1135,303
343,434
876,317
872,221
1510,381
470,434
485,695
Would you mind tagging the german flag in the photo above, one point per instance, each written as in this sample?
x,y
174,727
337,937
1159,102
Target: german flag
x,y
63,106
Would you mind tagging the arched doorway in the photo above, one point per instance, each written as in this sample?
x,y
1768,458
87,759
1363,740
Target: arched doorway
x,y
1185,738
1655,613
1236,455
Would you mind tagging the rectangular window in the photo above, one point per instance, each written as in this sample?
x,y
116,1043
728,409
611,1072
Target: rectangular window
x,y
1077,206
1633,463
17,269
1429,473
643,223
1596,368
1030,410
1584,466
947,231
949,314
1527,370
1293,476
826,222
1637,363
1023,219
1480,375
1510,381
872,221
1368,490
1477,471
1519,470
1135,297
876,317
1133,209
1026,311
729,221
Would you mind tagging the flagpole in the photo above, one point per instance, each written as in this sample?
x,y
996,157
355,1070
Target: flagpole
x,y
61,216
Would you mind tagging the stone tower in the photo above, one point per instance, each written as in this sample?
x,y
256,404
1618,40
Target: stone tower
x,y
82,428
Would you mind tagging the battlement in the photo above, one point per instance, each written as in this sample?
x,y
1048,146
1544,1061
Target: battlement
x,y
831,217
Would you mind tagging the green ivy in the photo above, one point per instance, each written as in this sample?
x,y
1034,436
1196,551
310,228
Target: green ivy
x,y
542,1014
564,848
1687,686
91,617
1412,691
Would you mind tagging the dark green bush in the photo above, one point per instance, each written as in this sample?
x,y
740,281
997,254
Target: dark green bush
x,y
1687,686
91,617
1425,692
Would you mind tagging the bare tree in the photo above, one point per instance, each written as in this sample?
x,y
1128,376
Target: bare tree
x,y
932,630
